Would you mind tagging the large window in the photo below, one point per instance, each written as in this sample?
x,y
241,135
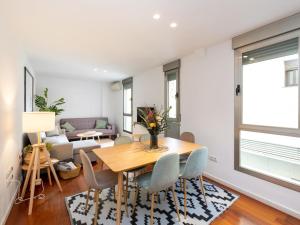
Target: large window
x,y
127,105
267,125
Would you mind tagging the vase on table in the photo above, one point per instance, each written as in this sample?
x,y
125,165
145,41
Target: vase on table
x,y
153,142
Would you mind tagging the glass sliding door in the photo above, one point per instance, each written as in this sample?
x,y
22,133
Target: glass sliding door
x,y
267,134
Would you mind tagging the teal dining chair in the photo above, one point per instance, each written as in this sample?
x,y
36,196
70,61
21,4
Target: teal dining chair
x,y
188,137
163,177
127,140
193,168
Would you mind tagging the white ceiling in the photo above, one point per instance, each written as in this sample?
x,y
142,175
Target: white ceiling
x,y
72,37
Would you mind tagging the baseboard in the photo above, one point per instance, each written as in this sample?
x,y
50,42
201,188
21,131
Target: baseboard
x,y
255,196
10,205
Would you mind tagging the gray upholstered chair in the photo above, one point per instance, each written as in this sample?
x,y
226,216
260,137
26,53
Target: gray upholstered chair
x,y
193,168
188,137
122,140
163,177
97,181
144,137
127,140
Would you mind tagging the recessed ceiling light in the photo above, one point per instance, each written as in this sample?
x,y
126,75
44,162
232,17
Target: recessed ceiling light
x,y
156,16
104,71
245,56
95,69
173,25
251,59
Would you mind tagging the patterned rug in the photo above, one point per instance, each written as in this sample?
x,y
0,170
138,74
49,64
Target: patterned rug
x,y
218,200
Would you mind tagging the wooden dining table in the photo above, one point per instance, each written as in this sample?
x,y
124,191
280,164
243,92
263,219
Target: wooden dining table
x,y
122,158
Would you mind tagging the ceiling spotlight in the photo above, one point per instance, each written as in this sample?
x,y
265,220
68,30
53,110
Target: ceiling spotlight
x,y
251,59
104,71
173,25
95,69
156,16
245,56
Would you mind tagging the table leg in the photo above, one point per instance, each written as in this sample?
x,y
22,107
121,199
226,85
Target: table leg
x,y
119,199
99,139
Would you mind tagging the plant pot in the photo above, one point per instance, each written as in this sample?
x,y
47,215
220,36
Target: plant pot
x,y
43,157
153,142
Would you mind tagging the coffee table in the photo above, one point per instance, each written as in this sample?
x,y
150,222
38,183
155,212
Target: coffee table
x,y
87,135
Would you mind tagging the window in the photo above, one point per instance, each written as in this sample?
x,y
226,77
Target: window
x,y
127,105
267,127
291,73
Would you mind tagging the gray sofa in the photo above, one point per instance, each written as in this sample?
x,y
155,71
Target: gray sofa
x,y
87,124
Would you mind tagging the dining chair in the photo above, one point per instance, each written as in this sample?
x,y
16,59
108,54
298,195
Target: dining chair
x,y
193,168
97,181
144,137
163,177
188,137
127,140
122,140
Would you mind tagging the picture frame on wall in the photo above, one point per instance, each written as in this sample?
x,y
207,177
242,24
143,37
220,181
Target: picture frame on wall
x,y
28,90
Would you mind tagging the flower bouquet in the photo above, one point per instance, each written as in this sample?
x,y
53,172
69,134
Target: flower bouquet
x,y
155,122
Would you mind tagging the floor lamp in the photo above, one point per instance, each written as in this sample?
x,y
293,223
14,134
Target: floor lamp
x,y
36,122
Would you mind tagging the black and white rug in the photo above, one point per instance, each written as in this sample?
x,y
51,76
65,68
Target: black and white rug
x,y
218,201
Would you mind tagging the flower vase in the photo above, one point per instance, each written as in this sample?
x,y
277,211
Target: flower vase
x,y
153,142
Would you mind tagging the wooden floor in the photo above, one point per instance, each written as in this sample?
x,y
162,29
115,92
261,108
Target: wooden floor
x,y
52,210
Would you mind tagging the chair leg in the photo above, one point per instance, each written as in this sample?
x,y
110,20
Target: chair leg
x,y
96,197
87,200
152,208
202,188
175,202
166,192
135,198
184,189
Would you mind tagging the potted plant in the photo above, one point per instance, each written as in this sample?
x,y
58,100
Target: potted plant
x,y
41,102
27,152
155,122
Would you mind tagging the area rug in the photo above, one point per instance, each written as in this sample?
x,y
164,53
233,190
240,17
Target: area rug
x,y
218,200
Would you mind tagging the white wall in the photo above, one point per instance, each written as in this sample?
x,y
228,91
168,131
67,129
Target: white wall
x,y
12,62
84,98
207,108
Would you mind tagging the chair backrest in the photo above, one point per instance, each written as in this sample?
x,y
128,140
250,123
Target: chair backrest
x,y
187,136
144,137
165,172
196,163
88,171
123,140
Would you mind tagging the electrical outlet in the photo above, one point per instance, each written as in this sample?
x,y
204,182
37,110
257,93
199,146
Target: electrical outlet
x,y
9,176
212,158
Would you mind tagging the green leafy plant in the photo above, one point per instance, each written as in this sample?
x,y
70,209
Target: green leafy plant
x,y
28,148
41,101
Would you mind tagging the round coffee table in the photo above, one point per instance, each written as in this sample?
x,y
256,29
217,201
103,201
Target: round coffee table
x,y
87,135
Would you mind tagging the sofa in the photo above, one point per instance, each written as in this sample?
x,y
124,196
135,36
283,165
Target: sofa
x,y
82,125
62,149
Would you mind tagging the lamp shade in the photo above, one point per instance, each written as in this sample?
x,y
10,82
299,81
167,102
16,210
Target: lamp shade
x,y
34,122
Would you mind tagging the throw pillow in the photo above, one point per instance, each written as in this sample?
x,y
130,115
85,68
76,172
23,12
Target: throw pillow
x,y
101,124
52,133
68,127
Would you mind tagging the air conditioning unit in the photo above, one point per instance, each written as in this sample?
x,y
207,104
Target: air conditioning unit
x,y
116,86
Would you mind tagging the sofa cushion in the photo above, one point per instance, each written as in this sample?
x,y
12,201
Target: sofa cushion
x,y
54,132
60,139
86,145
68,127
101,124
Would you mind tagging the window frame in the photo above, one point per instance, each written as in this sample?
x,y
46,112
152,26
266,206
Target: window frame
x,y
128,84
238,107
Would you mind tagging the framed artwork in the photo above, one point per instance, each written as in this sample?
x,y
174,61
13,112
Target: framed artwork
x,y
28,90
